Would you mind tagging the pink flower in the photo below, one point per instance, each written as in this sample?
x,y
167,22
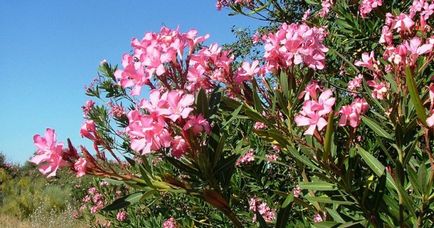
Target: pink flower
x,y
306,15
256,38
403,23
311,91
147,132
86,199
121,216
197,124
170,223
179,146
116,111
48,153
296,191
255,205
87,107
247,71
172,105
355,83
259,125
379,89
246,158
271,157
368,61
133,74
386,35
92,191
295,44
88,130
313,111
352,113
367,6
276,148
326,5
80,167
317,218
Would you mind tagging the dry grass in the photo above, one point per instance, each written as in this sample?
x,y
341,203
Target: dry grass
x,y
42,219
12,222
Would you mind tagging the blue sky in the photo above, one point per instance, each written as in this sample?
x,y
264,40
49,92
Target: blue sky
x,y
50,49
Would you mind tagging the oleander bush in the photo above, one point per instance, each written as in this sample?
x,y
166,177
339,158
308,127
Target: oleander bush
x,y
324,117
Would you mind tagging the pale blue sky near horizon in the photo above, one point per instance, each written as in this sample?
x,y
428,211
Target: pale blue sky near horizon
x,y
49,50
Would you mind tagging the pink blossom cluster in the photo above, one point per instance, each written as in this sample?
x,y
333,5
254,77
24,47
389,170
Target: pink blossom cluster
x,y
87,107
315,109
325,7
170,223
121,216
94,199
408,52
295,44
296,191
246,158
405,24
49,153
117,110
367,6
355,83
247,71
209,67
151,131
152,53
352,114
256,206
317,218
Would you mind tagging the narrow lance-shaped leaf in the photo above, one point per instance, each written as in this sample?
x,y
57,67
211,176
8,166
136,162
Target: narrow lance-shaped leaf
x,y
414,95
376,128
328,137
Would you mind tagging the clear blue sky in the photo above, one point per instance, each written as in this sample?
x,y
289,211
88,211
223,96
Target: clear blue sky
x,y
50,49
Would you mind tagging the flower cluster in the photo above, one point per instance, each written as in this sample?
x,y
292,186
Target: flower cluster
x,y
352,114
246,158
367,6
170,223
152,53
256,206
94,200
315,109
295,44
325,7
48,154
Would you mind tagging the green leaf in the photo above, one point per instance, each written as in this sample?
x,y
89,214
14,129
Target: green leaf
x,y
376,128
326,199
113,182
414,95
328,137
124,201
372,162
318,186
260,219
284,83
335,215
325,224
375,166
283,215
202,103
288,200
301,158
